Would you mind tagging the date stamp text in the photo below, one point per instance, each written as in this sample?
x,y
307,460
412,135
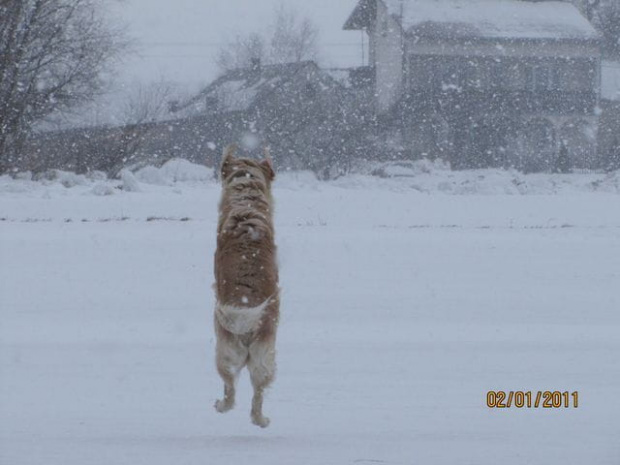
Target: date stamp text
x,y
532,399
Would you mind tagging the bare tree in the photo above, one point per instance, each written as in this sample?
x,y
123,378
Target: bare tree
x,y
53,56
290,39
241,52
148,104
294,39
605,16
590,8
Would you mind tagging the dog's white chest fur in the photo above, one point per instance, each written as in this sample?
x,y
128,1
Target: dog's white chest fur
x,y
240,320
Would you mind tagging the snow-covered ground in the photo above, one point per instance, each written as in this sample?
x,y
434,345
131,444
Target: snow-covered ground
x,y
402,304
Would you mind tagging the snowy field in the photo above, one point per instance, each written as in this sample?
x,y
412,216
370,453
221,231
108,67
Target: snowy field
x,y
404,301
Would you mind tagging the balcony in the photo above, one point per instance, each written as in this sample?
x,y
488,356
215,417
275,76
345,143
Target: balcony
x,y
497,100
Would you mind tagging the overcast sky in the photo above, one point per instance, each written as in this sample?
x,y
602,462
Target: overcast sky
x,y
178,39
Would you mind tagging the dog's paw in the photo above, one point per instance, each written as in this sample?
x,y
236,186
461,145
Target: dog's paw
x,y
223,406
260,420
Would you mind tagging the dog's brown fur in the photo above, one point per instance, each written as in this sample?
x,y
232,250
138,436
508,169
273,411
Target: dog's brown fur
x,y
246,280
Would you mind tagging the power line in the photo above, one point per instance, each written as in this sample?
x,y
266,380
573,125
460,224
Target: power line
x,y
209,57
224,44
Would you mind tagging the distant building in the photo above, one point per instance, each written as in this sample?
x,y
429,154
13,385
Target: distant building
x,y
485,82
297,109
294,107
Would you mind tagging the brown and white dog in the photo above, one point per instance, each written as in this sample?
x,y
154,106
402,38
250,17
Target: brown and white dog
x,y
246,280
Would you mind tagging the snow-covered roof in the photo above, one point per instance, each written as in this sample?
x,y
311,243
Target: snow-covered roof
x,y
240,89
238,95
494,19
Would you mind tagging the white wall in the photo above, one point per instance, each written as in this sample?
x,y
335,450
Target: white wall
x,y
611,80
387,56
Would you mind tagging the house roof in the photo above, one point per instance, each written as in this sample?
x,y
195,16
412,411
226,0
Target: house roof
x,y
359,18
492,19
240,89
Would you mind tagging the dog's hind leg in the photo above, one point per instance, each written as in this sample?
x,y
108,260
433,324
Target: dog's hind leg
x,y
231,357
262,367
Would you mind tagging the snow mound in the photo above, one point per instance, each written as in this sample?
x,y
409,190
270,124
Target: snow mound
x,y
130,183
297,180
102,189
24,176
66,178
179,170
96,175
421,177
409,168
173,171
611,183
435,177
152,175
14,186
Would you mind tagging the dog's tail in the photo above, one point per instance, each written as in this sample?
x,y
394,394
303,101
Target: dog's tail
x,y
240,320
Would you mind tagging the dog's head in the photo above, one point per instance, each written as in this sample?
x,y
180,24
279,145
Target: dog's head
x,y
245,171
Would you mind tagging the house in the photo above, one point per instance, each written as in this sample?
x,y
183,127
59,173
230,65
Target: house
x,y
485,82
293,107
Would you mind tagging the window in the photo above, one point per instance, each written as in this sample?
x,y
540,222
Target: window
x,y
541,78
498,75
472,74
580,75
450,76
423,74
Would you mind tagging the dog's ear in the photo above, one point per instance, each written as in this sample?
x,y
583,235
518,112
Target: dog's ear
x,y
227,160
267,165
